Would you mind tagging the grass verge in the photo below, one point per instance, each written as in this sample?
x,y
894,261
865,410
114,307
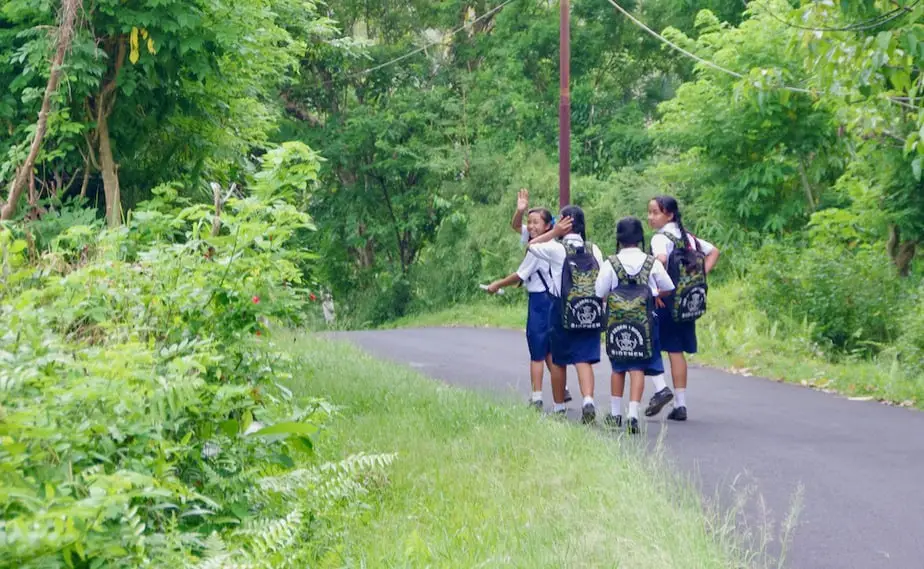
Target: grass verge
x,y
478,484
736,336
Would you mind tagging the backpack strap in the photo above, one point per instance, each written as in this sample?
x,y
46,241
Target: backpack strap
x,y
545,284
644,274
618,268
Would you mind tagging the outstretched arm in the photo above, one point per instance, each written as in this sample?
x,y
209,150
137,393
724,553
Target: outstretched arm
x,y
711,259
562,228
509,280
522,205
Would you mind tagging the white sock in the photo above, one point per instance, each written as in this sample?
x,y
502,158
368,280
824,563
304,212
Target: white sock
x,y
633,409
558,407
680,397
537,396
658,381
588,399
616,406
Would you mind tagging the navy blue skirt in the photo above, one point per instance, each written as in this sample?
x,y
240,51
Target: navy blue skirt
x,y
571,347
654,365
676,337
537,325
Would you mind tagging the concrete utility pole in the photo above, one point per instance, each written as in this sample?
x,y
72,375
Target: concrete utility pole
x,y
564,106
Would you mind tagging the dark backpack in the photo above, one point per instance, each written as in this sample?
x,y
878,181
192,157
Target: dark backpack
x,y
582,309
687,268
630,329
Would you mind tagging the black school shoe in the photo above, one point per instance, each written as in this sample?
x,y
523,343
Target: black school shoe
x,y
658,401
678,414
567,395
632,426
613,421
537,405
588,413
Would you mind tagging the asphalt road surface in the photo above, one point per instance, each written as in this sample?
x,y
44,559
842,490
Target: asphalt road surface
x,y
859,463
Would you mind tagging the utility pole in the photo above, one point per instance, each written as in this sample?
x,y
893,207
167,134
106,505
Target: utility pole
x,y
564,106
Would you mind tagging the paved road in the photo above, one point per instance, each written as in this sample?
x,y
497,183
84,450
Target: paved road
x,y
860,464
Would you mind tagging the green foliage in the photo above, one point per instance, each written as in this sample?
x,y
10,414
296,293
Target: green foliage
x,y
819,284
143,418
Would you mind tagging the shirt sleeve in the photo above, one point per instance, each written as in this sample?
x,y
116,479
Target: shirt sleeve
x,y
598,255
705,246
659,278
659,244
544,251
524,235
606,278
528,266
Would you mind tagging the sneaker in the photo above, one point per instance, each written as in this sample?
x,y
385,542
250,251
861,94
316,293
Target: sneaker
x,y
536,404
613,421
588,413
678,414
658,401
632,426
567,395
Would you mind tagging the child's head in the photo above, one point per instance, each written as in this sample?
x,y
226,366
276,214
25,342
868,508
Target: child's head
x,y
662,210
577,219
629,232
538,221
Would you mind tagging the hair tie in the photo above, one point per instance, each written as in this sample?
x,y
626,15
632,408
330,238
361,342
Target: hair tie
x,y
553,220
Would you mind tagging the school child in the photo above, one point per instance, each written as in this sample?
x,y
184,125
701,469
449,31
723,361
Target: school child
x,y
577,313
537,276
628,283
688,260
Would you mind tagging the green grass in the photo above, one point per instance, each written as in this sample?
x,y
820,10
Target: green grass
x,y
477,483
736,336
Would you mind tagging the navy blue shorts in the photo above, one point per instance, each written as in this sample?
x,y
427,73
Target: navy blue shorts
x,y
571,347
537,325
654,366
676,337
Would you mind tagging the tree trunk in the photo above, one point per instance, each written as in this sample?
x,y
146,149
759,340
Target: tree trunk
x,y
68,18
901,252
806,187
109,170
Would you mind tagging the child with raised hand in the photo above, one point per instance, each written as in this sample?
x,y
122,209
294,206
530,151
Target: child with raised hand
x,y
628,283
678,335
537,276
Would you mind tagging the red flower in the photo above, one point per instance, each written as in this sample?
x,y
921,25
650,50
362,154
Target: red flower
x,y
256,299
258,333
312,297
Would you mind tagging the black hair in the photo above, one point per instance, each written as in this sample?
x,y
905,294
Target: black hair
x,y
545,214
577,219
668,204
629,232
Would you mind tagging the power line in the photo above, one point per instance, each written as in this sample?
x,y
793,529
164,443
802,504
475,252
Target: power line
x,y
870,24
693,56
431,44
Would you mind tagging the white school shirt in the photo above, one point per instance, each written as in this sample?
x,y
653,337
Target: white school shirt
x,y
554,253
530,270
632,259
662,245
524,235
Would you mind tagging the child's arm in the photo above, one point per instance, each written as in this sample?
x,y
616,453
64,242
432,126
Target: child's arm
x,y
509,280
522,205
562,228
711,259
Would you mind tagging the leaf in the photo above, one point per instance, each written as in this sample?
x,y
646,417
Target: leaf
x,y
133,54
229,427
287,428
916,168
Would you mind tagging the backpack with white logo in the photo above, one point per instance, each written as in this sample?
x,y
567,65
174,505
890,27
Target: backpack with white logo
x,y
687,268
582,309
630,329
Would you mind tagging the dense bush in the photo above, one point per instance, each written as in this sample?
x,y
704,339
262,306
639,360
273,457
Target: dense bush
x,y
142,418
852,296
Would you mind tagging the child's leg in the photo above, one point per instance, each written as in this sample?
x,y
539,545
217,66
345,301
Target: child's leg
x,y
558,377
636,389
536,371
549,364
679,376
585,373
617,388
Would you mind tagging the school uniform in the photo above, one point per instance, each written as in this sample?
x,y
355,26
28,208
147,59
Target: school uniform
x,y
536,275
632,259
675,337
568,347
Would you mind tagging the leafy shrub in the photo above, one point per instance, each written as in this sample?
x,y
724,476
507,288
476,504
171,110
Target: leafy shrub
x,y
142,418
911,343
852,296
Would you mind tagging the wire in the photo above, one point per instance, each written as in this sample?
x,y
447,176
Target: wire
x,y
429,45
879,20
